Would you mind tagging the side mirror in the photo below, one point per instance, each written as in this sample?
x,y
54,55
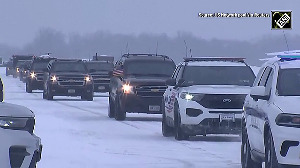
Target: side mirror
x,y
171,82
259,92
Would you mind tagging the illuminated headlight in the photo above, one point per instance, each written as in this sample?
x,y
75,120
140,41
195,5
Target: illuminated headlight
x,y
13,123
18,70
54,78
25,71
32,75
88,78
288,120
191,96
127,88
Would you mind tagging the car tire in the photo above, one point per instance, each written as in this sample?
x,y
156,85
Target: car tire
x,y
28,88
246,160
111,109
49,94
89,96
166,130
179,134
270,154
120,113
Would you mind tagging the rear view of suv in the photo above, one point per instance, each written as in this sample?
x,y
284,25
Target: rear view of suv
x,y
35,77
99,70
68,77
138,83
205,96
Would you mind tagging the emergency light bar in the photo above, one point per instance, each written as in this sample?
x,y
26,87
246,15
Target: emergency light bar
x,y
232,59
286,55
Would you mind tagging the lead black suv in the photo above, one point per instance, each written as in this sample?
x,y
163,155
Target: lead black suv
x,y
68,77
99,70
35,77
138,83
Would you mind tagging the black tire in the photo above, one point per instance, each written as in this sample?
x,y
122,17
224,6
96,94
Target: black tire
x,y
270,154
111,109
49,94
90,96
44,94
120,113
179,134
246,160
166,130
28,88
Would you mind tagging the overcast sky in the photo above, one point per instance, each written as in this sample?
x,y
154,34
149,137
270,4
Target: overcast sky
x,y
22,19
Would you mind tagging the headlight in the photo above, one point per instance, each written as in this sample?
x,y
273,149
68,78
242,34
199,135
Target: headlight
x,y
88,78
191,96
127,88
18,69
32,75
24,124
288,120
54,78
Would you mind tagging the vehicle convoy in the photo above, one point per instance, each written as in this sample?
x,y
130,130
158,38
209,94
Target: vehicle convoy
x,y
138,83
271,118
99,69
35,77
15,64
205,96
68,77
20,147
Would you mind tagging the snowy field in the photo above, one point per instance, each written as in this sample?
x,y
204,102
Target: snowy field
x,y
78,134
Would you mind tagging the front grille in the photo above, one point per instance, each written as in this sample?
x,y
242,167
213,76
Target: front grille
x,y
223,101
71,80
39,76
150,91
101,79
17,155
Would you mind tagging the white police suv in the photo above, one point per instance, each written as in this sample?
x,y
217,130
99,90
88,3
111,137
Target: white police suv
x,y
271,118
19,146
205,96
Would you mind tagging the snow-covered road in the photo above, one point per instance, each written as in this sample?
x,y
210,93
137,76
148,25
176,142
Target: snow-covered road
x,y
78,134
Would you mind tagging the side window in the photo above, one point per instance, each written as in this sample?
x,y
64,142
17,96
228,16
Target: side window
x,y
269,81
264,77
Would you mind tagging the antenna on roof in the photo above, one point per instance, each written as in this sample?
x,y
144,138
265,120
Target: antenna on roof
x,y
286,42
191,53
156,47
127,50
185,48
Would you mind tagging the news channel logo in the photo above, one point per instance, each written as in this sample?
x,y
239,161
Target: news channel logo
x,y
281,19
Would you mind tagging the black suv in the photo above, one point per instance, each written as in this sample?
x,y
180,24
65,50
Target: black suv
x,y
35,76
68,77
23,70
99,70
138,83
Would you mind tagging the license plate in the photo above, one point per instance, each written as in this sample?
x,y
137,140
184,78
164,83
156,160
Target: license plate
x,y
101,87
154,108
71,90
227,117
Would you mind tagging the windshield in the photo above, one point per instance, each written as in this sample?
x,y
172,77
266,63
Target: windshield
x,y
39,65
288,82
218,75
150,68
99,66
21,62
69,67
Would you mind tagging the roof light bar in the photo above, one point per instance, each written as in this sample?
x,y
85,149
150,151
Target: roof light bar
x,y
232,59
286,55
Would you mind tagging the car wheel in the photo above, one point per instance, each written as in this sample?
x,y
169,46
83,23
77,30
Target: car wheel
x,y
90,96
246,160
28,88
179,134
120,113
270,154
167,131
111,109
49,94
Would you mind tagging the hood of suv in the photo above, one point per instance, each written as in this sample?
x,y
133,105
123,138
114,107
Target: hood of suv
x,y
288,104
12,110
146,81
217,89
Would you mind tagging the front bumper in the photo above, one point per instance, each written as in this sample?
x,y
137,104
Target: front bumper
x,y
287,145
58,90
18,148
208,121
141,104
101,87
35,84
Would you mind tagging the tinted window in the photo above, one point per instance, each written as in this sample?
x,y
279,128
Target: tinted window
x,y
69,67
99,66
218,75
39,65
149,68
288,82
